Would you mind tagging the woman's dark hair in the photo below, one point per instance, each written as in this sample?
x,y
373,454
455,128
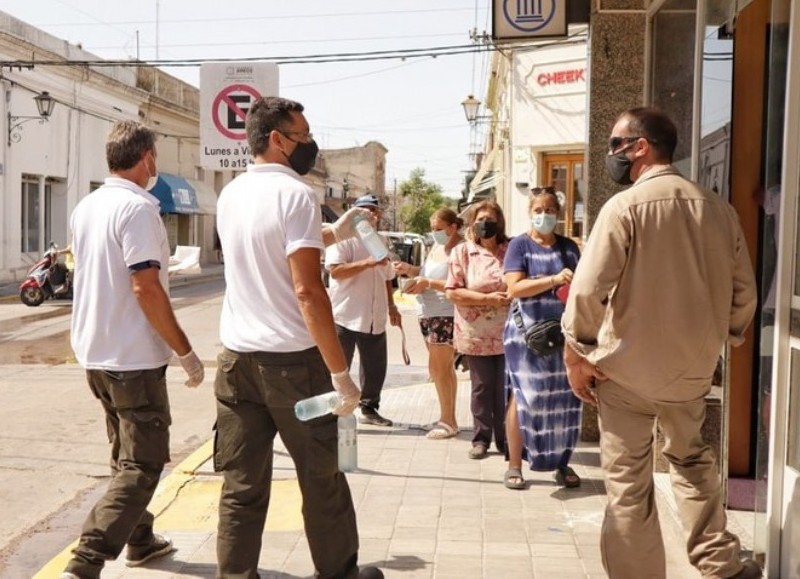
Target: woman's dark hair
x,y
494,208
448,216
539,191
656,127
127,143
268,114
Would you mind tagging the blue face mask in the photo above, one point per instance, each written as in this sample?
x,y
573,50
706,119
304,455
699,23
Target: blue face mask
x,y
544,222
440,237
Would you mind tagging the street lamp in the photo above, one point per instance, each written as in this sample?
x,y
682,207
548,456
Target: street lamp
x,y
471,106
44,104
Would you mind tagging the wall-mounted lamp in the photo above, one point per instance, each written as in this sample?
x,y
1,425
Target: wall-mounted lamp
x,y
471,106
44,104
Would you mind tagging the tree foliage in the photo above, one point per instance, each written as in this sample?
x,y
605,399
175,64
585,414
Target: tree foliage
x,y
420,199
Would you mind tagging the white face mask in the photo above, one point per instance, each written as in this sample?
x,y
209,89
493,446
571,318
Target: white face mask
x,y
151,180
440,237
544,222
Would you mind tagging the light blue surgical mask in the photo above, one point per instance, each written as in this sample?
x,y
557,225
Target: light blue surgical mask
x,y
544,223
440,237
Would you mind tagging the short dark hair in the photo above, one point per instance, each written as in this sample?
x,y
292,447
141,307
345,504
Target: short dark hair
x,y
267,114
127,143
656,127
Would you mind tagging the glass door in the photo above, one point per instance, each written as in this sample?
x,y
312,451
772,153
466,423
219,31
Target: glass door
x,y
783,501
564,172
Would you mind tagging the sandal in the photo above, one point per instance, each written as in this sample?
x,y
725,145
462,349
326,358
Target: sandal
x,y
513,479
441,431
567,478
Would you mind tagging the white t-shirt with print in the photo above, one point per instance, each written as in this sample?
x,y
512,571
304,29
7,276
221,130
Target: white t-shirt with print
x,y
113,228
263,216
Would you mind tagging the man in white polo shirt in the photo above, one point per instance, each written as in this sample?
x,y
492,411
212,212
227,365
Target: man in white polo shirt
x,y
362,298
124,332
280,346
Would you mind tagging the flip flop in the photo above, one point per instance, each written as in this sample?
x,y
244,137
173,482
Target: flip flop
x,y
441,431
510,482
567,478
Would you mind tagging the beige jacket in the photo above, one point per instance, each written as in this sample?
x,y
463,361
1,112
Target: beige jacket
x,y
665,279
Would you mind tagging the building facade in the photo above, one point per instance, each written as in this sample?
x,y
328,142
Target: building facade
x,y
536,134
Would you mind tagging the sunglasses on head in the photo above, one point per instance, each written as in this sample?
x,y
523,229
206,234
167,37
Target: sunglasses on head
x,y
542,190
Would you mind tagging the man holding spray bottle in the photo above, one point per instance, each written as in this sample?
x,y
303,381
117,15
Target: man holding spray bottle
x,y
280,346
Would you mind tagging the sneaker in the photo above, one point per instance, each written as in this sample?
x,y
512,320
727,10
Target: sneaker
x,y
139,555
370,573
478,451
372,417
750,570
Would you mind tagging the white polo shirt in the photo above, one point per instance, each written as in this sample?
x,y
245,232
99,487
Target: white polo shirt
x,y
263,216
114,227
359,302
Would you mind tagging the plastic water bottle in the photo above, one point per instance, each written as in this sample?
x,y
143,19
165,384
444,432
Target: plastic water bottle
x,y
348,443
370,239
316,406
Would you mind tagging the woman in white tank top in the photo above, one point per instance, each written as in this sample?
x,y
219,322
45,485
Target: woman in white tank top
x,y
436,315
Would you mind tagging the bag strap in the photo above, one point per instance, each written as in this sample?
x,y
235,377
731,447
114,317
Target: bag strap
x,y
516,315
562,250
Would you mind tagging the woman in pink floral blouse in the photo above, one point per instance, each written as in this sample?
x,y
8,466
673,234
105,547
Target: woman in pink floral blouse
x,y
475,285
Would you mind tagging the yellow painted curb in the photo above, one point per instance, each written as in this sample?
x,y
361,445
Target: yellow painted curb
x,y
168,490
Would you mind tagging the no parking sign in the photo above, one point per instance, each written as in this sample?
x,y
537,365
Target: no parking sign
x,y
226,92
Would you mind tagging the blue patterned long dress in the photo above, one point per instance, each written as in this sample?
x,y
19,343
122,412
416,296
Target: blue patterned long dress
x,y
549,414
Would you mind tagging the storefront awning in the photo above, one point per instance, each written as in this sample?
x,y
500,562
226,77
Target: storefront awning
x,y
486,177
175,194
206,197
489,182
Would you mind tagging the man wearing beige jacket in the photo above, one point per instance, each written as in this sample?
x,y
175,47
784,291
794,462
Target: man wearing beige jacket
x,y
664,282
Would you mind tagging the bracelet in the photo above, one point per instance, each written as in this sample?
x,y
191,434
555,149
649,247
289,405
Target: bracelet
x,y
552,281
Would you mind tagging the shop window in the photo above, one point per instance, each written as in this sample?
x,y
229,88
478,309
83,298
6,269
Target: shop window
x,y
565,172
35,214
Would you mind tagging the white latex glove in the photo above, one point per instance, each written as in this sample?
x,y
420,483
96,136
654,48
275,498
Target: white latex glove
x,y
193,367
349,393
345,227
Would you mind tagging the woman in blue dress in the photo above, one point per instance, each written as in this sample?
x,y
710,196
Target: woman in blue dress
x,y
542,415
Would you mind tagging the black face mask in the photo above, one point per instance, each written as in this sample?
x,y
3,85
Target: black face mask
x,y
618,167
485,229
303,157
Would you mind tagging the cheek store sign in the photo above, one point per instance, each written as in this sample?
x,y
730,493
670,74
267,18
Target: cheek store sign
x,y
560,77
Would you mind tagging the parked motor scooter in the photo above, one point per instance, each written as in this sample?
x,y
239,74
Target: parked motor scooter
x,y
49,278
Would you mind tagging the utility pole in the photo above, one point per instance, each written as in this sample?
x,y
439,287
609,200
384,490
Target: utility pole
x,y
394,201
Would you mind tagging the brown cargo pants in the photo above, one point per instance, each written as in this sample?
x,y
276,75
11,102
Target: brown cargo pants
x,y
138,418
256,394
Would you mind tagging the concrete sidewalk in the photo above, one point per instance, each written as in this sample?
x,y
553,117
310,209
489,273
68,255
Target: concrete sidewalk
x,y
424,510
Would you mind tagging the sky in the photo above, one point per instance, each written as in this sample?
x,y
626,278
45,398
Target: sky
x,y
411,106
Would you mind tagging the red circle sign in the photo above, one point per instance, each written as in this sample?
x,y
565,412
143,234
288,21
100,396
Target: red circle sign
x,y
231,109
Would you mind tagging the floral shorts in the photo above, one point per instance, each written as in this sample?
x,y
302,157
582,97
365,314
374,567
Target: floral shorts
x,y
437,330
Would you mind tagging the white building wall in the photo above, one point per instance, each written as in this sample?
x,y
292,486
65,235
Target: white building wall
x,y
548,112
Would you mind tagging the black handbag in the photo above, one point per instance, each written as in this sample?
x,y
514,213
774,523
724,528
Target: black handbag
x,y
542,338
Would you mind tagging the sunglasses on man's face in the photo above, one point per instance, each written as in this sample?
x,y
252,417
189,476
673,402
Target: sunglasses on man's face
x,y
615,143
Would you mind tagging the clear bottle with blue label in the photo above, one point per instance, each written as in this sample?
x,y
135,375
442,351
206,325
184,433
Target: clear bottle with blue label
x,y
372,242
